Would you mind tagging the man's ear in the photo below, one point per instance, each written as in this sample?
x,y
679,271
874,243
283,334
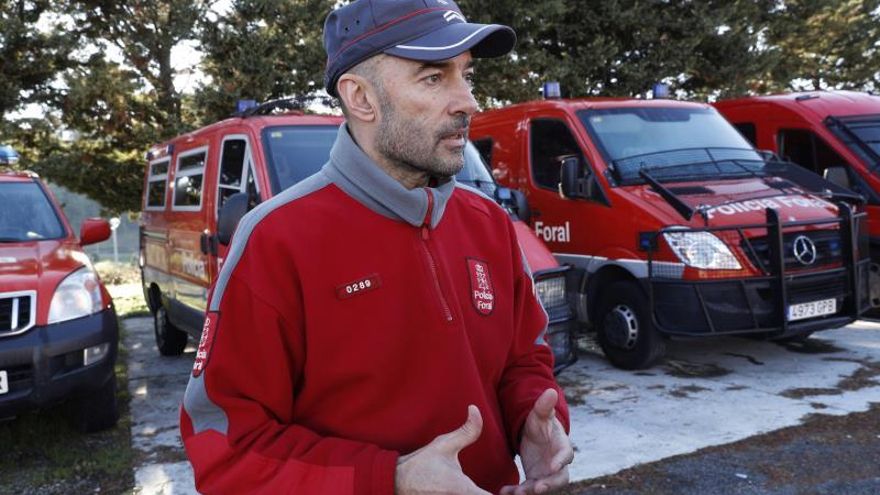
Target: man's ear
x,y
358,97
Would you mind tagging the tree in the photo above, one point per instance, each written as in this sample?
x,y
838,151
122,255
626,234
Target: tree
x,y
261,50
112,123
145,32
622,47
827,44
30,55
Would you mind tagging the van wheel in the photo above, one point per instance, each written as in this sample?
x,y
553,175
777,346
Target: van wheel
x,y
169,339
626,331
96,411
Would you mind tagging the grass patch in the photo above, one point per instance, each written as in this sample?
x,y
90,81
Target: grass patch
x,y
118,273
43,454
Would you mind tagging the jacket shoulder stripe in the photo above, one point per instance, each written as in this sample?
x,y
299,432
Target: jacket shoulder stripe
x,y
249,223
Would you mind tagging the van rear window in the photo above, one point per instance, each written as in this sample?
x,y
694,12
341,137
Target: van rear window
x,y
296,152
26,214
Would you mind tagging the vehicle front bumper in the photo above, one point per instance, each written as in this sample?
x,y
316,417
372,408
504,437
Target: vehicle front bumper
x,y
45,364
755,305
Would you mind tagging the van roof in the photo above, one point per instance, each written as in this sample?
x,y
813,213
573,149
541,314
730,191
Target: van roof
x,y
257,123
598,103
821,103
7,175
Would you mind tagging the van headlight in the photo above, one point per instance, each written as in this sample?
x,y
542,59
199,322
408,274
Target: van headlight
x,y
701,250
77,295
551,291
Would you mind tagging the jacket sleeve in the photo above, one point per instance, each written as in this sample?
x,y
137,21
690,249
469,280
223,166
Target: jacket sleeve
x,y
237,420
529,370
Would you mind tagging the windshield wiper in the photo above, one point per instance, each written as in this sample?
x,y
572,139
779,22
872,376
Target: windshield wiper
x,y
680,206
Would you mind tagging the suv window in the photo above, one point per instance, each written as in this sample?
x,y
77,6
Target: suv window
x,y
157,184
808,150
26,214
550,141
188,180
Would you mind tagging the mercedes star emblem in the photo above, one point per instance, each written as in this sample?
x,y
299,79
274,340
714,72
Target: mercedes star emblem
x,y
804,250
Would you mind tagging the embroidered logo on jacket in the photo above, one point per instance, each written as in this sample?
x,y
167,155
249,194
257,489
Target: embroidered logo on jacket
x,y
482,292
209,330
351,289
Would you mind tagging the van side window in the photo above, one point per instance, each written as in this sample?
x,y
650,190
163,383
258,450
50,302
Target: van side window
x,y
808,150
232,169
748,131
484,146
550,142
188,180
157,184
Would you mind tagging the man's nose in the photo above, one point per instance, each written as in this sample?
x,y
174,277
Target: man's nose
x,y
463,100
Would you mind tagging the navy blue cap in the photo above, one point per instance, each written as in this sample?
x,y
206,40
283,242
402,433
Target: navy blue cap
x,y
425,30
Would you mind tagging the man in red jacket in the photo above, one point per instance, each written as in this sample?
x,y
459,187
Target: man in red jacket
x,y
374,328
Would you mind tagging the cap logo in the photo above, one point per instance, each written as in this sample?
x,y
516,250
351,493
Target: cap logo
x,y
451,15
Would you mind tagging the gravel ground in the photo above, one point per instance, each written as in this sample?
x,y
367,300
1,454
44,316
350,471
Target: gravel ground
x,y
825,455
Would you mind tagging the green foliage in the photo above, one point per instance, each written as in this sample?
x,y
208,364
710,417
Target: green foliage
x,y
30,57
261,50
622,47
828,44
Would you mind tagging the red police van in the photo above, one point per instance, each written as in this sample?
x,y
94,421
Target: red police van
x,y
198,186
679,226
58,330
835,134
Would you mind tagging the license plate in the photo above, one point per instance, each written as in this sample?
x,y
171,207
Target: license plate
x,y
4,383
812,309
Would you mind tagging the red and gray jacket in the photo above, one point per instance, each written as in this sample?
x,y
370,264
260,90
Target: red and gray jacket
x,y
353,321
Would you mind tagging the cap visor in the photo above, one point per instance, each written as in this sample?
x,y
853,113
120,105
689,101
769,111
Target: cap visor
x,y
483,40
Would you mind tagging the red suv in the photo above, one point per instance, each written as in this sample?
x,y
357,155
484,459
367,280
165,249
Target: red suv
x,y
58,329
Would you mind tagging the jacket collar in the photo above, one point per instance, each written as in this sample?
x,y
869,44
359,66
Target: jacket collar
x,y
361,178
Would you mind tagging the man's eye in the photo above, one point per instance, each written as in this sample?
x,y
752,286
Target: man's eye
x,y
470,79
433,79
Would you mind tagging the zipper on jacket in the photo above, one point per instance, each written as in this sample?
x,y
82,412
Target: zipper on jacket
x,y
432,264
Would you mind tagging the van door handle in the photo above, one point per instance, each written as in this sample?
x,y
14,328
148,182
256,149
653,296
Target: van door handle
x,y
208,243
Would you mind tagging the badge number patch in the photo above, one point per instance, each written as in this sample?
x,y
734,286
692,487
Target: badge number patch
x,y
482,292
351,289
209,331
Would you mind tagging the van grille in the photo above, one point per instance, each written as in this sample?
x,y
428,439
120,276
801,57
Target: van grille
x,y
829,250
17,312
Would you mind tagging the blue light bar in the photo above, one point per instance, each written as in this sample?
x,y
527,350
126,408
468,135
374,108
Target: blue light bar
x,y
8,156
660,91
552,89
243,105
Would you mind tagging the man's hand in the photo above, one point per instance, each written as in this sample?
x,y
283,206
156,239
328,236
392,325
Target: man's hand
x,y
434,469
545,449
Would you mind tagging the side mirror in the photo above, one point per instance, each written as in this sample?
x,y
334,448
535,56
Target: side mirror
x,y
93,231
503,195
572,184
231,213
838,176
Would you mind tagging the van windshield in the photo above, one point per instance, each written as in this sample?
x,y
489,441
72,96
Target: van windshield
x,y
861,134
296,152
672,143
26,214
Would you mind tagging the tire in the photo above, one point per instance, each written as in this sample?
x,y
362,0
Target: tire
x,y
96,411
626,330
170,340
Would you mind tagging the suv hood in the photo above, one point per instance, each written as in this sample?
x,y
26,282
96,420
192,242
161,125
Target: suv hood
x,y
38,265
